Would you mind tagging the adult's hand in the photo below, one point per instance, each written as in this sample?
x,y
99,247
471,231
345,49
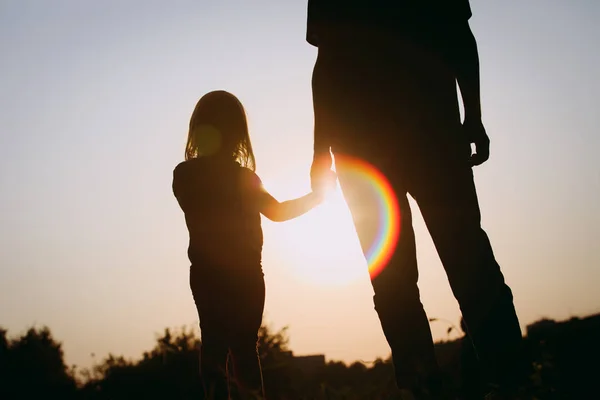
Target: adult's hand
x,y
476,134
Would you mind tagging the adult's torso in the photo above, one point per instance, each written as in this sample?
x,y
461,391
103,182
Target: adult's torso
x,y
389,37
378,67
359,21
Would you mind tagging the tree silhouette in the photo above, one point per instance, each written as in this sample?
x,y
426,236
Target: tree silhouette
x,y
33,366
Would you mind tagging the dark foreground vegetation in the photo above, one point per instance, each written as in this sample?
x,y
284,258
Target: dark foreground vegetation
x,y
565,357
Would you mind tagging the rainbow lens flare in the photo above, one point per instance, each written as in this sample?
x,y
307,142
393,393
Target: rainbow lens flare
x,y
384,243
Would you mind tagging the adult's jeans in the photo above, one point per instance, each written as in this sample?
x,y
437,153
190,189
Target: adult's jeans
x,y
394,105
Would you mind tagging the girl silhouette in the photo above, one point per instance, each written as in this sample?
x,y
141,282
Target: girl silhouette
x,y
222,199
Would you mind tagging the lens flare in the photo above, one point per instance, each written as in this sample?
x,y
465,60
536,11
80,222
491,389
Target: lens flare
x,y
384,243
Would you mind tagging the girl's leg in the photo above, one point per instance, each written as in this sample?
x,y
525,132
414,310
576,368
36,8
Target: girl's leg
x,y
247,300
213,369
214,348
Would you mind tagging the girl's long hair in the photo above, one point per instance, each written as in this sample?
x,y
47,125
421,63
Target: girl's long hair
x,y
221,112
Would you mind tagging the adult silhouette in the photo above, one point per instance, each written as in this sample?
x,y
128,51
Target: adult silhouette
x,y
384,91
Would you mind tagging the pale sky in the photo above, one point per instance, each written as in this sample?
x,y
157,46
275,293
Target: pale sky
x,y
95,98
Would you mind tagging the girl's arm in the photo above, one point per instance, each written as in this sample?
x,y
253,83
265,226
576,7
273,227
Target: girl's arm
x,y
284,211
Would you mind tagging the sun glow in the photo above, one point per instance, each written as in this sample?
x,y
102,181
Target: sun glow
x,y
322,246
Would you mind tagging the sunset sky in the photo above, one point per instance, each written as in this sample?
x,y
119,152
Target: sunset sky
x,y
95,98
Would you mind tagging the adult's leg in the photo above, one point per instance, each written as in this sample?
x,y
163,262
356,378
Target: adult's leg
x,y
396,294
471,385
444,189
208,295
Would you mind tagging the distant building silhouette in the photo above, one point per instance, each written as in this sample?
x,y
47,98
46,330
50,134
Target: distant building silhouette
x,y
307,364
